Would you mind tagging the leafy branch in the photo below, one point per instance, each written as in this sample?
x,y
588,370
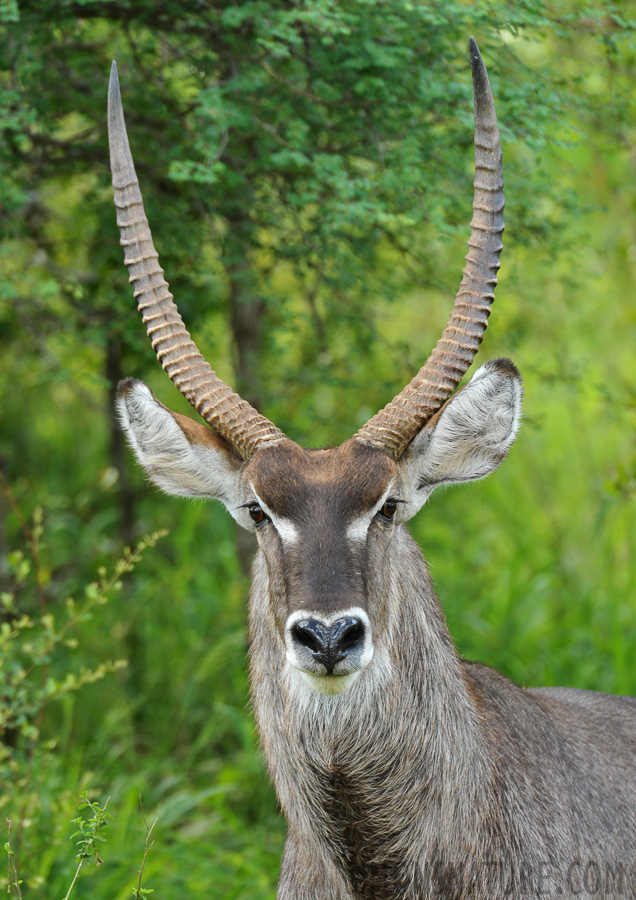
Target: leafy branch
x,y
32,537
88,832
16,698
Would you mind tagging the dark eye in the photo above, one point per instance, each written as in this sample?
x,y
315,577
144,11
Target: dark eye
x,y
256,513
389,508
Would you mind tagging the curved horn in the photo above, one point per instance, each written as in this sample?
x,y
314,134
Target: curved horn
x,y
396,425
228,414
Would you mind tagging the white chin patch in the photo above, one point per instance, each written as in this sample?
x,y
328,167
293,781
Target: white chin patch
x,y
329,684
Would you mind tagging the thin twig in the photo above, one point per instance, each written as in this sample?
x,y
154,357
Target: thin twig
x,y
12,868
147,848
75,877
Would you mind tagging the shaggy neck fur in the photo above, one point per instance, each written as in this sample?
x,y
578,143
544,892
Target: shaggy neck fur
x,y
405,736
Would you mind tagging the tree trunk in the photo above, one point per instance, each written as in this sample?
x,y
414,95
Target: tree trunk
x,y
247,319
125,492
133,640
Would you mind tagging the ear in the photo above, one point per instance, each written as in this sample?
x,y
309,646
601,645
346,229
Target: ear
x,y
469,436
179,455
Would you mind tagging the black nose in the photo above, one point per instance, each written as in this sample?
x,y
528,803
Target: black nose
x,y
329,644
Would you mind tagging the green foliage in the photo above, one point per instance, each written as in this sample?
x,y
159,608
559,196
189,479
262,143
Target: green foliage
x,y
305,167
89,833
43,763
33,664
89,829
36,669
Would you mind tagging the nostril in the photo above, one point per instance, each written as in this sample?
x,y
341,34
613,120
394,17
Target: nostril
x,y
346,634
351,636
310,634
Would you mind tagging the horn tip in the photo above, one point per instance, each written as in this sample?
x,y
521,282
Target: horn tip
x,y
113,83
477,66
482,94
121,162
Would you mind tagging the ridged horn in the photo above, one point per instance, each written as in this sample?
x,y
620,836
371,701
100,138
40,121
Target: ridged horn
x,y
228,414
395,426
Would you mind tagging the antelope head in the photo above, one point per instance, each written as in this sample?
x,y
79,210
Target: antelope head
x,y
325,520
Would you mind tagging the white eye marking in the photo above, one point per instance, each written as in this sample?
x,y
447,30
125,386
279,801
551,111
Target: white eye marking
x,y
285,527
357,530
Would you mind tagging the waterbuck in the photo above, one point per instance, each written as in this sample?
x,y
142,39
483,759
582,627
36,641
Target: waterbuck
x,y
403,770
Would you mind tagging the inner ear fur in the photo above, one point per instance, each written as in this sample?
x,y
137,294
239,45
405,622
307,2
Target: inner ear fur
x,y
201,435
179,455
470,435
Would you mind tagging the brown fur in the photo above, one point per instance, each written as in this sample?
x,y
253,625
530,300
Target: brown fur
x,y
320,491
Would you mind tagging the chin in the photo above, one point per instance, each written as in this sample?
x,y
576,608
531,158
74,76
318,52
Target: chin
x,y
330,684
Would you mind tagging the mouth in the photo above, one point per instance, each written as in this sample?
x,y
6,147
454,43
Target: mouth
x,y
330,684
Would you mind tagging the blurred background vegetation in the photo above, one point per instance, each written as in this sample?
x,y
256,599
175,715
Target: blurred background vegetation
x,y
307,169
